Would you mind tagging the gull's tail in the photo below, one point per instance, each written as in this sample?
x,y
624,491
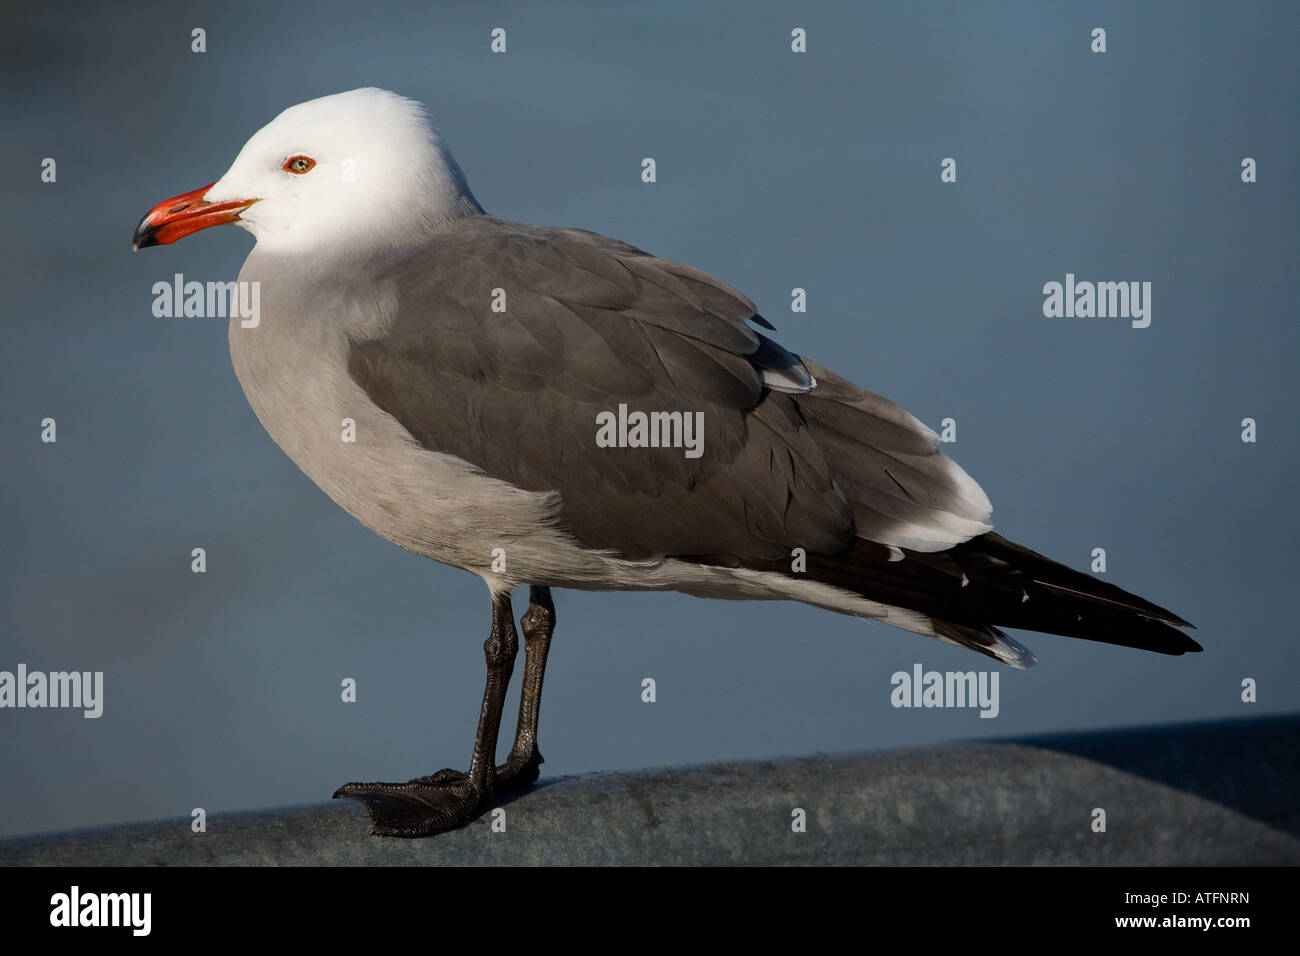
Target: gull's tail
x,y
969,590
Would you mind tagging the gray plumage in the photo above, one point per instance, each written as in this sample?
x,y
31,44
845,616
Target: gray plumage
x,y
590,323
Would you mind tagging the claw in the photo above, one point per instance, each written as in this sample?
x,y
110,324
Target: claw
x,y
438,802
419,807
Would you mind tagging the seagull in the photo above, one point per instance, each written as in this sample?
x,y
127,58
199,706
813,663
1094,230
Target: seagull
x,y
550,408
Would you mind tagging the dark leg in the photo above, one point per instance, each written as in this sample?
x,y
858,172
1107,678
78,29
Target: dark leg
x,y
448,800
539,624
521,768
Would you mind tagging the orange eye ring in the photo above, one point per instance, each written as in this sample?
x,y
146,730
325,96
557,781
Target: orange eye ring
x,y
299,165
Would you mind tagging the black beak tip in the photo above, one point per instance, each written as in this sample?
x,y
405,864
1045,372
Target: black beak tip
x,y
144,235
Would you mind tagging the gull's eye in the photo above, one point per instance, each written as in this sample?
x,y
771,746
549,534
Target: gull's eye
x,y
299,164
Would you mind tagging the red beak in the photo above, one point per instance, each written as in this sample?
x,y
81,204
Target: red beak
x,y
176,218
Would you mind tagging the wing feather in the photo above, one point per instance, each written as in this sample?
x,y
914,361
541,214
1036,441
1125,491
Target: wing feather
x,y
589,324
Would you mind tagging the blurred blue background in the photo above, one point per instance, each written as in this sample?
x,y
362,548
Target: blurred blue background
x,y
775,170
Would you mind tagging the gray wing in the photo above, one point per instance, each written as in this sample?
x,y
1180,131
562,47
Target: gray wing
x,y
591,323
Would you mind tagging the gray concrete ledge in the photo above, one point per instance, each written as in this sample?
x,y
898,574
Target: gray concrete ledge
x,y
1201,794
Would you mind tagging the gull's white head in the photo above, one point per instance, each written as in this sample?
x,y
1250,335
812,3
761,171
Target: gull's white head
x,y
357,170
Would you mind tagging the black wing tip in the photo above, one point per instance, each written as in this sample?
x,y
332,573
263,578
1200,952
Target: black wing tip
x,y
1166,639
1155,612
1142,634
1164,617
1185,646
